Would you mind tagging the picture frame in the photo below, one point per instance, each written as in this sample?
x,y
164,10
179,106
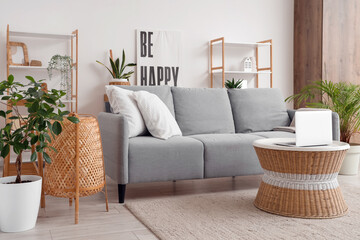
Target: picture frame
x,y
18,54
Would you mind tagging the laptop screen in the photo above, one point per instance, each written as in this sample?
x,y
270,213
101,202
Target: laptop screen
x,y
313,127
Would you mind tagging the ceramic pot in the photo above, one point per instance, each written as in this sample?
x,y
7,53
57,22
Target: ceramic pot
x,y
350,165
19,203
120,80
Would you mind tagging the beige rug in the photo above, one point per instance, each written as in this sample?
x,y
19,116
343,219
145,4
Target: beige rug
x,y
232,215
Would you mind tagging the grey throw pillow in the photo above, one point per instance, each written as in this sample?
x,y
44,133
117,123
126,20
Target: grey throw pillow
x,y
202,110
163,92
258,109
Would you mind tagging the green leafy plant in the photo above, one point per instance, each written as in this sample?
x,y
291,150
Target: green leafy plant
x,y
117,69
37,128
64,65
233,84
343,98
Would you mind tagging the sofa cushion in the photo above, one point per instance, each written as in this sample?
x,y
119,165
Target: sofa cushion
x,y
229,154
163,92
158,118
152,159
274,134
202,110
123,102
258,109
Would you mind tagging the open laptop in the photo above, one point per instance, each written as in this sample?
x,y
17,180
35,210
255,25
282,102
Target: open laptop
x,y
313,128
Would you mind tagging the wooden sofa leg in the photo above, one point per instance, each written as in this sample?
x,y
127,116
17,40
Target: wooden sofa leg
x,y
121,192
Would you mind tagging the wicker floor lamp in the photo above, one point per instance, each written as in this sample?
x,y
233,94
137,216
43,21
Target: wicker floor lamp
x,y
77,168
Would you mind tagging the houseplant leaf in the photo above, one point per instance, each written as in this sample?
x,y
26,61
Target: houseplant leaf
x,y
73,119
56,128
107,69
122,62
115,70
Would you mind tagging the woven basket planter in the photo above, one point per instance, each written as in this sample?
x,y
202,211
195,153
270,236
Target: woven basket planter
x,y
77,168
120,83
301,183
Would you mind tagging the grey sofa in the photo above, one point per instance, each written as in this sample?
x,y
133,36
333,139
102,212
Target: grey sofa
x,y
218,126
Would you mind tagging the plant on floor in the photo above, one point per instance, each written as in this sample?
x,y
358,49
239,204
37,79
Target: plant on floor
x,y
37,128
233,84
342,98
117,71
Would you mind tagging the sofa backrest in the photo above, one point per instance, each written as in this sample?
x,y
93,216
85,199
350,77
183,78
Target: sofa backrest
x,y
258,109
163,92
202,110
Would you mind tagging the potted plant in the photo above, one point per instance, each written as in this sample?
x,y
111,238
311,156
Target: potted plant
x,y
233,84
64,65
344,99
118,71
20,194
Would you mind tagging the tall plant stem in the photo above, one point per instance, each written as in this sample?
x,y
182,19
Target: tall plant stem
x,y
18,165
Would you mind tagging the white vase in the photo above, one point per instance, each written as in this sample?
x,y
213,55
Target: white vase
x,y
350,165
19,203
120,80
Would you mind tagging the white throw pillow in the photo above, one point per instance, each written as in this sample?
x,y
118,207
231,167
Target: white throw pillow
x,y
123,102
158,118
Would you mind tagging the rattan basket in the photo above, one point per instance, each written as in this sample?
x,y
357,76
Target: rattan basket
x,y
311,191
78,163
120,83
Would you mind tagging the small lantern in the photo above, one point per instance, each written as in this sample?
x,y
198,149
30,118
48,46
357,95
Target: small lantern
x,y
247,65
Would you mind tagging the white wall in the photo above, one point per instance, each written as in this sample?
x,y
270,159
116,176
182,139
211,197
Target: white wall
x,y
111,24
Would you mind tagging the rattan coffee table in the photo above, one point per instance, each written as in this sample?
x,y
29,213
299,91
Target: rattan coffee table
x,y
300,181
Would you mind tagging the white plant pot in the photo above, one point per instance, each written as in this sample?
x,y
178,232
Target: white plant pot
x,y
350,165
19,203
119,80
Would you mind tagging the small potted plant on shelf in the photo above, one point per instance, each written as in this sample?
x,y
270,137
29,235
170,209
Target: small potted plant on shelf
x,y
20,194
232,84
64,64
118,71
344,99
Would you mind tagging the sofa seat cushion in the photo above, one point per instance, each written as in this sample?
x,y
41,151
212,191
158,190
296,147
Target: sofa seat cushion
x,y
152,159
258,109
274,134
229,154
163,92
202,110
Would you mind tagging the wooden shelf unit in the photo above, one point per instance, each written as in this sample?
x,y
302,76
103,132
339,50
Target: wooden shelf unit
x,y
29,167
217,70
73,37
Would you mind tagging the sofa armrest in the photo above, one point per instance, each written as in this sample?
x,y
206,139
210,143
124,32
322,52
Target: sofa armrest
x,y
291,113
115,141
335,123
335,126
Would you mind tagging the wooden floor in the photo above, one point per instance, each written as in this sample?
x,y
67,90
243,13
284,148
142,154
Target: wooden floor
x,y
56,221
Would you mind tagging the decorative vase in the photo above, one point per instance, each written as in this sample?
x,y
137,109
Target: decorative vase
x,y
350,165
120,80
19,203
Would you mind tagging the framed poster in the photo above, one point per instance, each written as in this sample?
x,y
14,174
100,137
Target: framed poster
x,y
158,57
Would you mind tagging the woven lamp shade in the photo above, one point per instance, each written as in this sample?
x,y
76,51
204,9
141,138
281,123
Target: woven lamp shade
x,y
60,176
